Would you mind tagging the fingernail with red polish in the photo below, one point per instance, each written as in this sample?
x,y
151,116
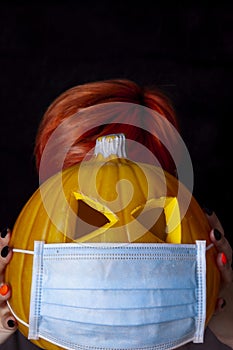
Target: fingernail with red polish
x,y
223,258
4,289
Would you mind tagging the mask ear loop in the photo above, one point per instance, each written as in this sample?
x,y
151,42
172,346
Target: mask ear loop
x,y
209,246
17,318
15,250
23,251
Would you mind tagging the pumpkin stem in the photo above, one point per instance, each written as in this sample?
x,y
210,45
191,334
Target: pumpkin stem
x,y
111,145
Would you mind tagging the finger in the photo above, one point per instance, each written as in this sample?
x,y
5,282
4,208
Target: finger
x,y
224,257
8,326
5,292
5,236
220,305
221,243
9,322
213,220
5,257
225,268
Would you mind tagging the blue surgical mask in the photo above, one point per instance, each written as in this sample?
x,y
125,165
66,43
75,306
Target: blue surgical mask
x,y
118,296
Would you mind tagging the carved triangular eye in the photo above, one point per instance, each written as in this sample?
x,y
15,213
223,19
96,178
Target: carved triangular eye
x,y
88,219
153,219
92,219
161,216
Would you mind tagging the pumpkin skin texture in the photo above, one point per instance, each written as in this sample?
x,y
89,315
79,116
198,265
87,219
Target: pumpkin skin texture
x,y
110,194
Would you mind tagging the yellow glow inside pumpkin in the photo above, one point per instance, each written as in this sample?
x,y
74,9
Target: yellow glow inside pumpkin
x,y
123,198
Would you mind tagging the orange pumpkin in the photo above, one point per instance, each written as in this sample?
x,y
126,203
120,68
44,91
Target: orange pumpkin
x,y
108,198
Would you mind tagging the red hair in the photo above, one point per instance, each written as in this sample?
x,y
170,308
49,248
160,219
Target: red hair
x,y
106,93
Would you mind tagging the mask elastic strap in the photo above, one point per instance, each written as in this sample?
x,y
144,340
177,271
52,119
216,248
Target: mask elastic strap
x,y
17,318
23,251
211,245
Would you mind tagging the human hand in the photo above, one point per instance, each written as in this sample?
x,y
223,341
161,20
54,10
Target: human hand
x,y
224,258
221,323
8,323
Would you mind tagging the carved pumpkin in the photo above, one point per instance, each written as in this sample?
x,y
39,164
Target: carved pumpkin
x,y
106,199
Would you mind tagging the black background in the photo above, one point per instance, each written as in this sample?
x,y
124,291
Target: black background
x,y
186,49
